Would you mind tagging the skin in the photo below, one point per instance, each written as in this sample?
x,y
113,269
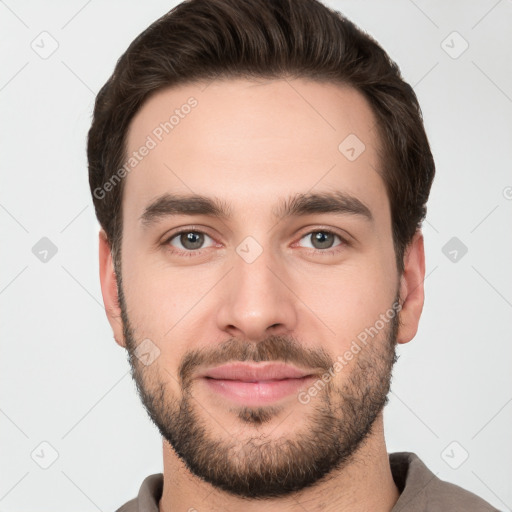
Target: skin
x,y
253,144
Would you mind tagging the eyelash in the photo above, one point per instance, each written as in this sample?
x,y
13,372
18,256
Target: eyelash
x,y
324,252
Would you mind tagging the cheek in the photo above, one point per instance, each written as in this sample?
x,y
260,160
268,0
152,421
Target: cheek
x,y
350,298
161,300
151,298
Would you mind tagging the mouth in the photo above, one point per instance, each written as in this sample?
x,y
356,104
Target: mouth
x,y
256,384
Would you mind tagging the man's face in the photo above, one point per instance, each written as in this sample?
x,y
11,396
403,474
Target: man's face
x,y
281,278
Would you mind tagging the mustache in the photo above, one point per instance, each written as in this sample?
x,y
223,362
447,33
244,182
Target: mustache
x,y
274,348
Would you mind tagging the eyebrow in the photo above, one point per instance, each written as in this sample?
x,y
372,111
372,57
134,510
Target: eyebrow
x,y
168,205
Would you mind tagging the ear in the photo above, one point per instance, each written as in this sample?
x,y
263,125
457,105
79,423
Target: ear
x,y
411,289
108,281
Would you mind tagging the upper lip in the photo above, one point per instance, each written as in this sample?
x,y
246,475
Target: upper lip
x,y
246,372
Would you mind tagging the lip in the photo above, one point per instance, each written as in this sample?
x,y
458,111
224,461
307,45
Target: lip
x,y
255,384
246,372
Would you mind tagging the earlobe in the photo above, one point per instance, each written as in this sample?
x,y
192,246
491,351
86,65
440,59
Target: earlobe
x,y
108,280
411,289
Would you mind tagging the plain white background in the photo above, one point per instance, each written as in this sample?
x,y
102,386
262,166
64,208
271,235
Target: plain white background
x,y
66,382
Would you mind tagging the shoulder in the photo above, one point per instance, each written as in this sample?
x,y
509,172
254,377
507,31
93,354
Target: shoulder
x,y
149,495
129,506
423,491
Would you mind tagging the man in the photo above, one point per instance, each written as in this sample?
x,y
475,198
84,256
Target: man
x,y
260,172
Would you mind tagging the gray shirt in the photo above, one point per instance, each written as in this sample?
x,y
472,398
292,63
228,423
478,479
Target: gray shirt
x,y
420,490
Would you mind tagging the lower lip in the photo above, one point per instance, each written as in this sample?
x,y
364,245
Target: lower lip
x,y
257,393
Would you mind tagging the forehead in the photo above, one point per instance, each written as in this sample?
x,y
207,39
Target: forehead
x,y
253,142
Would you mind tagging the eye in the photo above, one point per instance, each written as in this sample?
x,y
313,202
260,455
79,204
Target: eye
x,y
188,241
322,239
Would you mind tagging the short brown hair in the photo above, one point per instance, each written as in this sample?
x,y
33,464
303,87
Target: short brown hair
x,y
207,39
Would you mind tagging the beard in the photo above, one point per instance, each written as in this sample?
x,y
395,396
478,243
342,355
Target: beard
x,y
258,466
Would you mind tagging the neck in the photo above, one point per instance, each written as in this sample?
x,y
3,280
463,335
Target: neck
x,y
364,483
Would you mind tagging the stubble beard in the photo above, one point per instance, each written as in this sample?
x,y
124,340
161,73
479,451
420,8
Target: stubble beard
x,y
259,466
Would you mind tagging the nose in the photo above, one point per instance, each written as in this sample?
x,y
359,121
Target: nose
x,y
257,300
